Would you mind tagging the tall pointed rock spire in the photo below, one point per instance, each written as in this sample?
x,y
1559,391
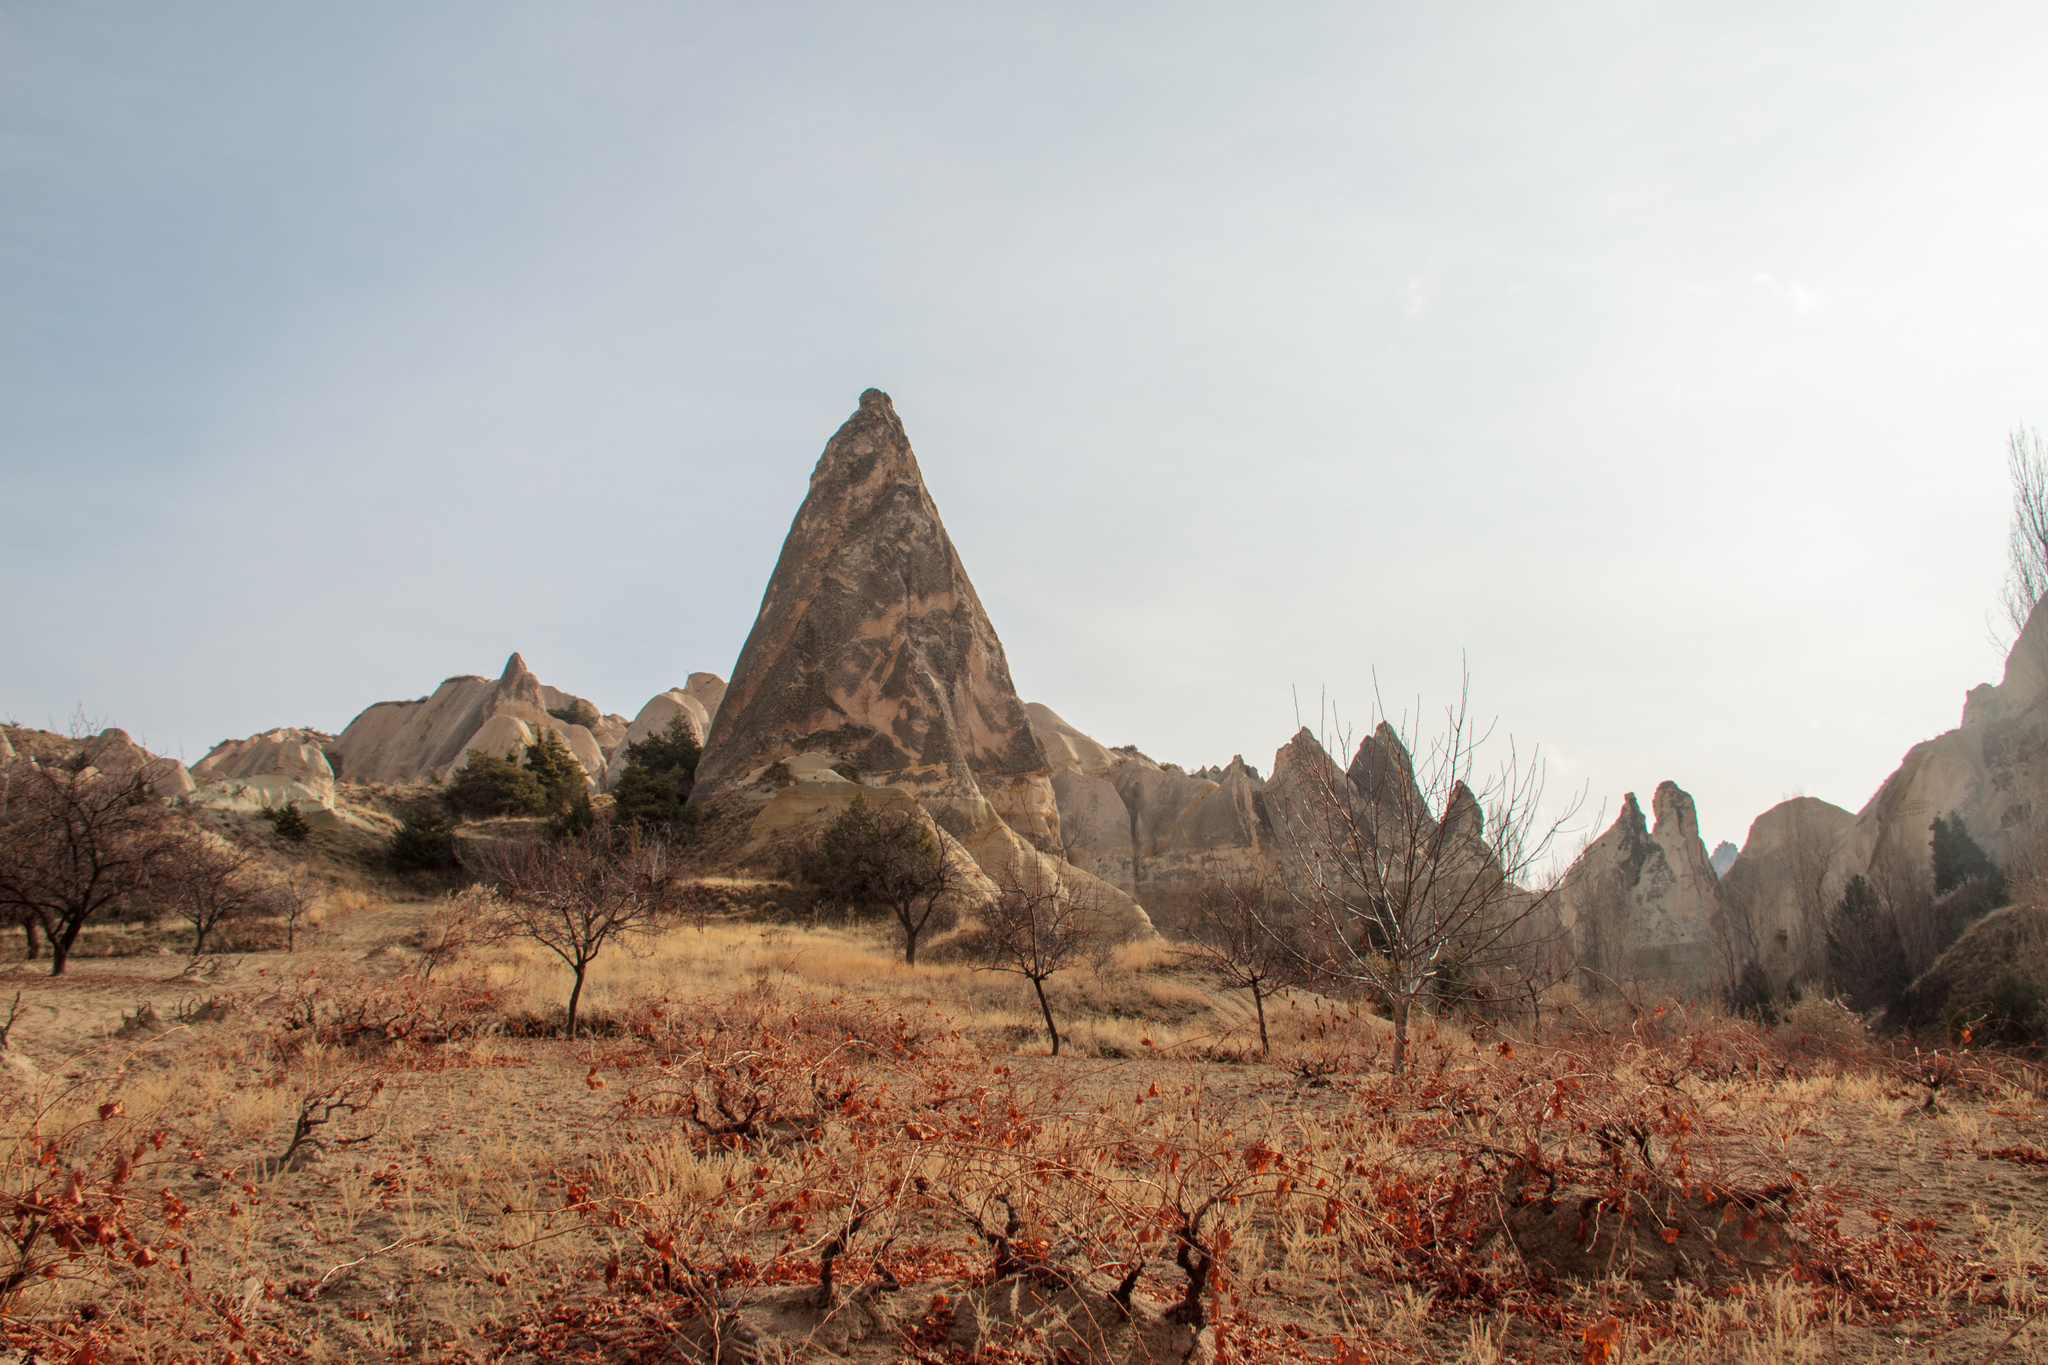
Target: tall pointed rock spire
x,y
872,646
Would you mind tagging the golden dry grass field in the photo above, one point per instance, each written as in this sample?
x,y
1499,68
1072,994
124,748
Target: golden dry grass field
x,y
783,1144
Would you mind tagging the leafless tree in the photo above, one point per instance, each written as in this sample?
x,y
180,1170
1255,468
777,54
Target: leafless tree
x,y
575,896
291,897
2026,575
453,925
1036,928
1413,882
1238,932
210,884
74,845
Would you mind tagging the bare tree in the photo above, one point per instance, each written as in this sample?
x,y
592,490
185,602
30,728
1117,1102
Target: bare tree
x,y
453,924
1238,932
2026,575
210,884
1412,881
575,896
76,844
1036,928
893,861
291,897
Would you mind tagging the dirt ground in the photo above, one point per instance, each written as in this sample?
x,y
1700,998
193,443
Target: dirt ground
x,y
763,1100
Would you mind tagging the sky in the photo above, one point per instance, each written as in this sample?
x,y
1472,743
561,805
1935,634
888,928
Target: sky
x,y
1652,363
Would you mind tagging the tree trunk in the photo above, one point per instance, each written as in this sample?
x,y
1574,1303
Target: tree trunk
x,y
1045,1009
911,929
575,994
198,939
60,949
1259,1002
1400,1033
33,948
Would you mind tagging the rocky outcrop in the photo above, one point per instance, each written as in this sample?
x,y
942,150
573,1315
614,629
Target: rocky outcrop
x,y
1723,857
1992,770
654,718
872,646
1641,901
113,752
271,770
1779,891
399,741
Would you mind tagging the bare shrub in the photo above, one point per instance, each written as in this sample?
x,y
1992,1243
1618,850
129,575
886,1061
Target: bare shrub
x,y
576,896
1036,928
1238,932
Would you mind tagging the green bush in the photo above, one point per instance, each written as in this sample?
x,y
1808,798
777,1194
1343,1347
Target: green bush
x,y
1962,907
578,712
1866,960
1958,858
2012,1011
288,823
1750,996
560,776
660,772
425,842
492,784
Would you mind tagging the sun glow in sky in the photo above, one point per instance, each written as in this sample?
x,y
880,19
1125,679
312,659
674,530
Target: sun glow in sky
x,y
1657,359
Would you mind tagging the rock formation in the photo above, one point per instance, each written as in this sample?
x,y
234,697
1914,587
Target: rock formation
x,y
1641,901
1723,858
274,769
399,741
1992,770
696,703
1779,892
113,752
872,646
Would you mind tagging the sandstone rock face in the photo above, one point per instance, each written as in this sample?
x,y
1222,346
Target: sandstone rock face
x,y
274,769
112,751
1780,890
654,719
1641,902
1992,770
398,741
708,689
1066,747
1723,857
872,646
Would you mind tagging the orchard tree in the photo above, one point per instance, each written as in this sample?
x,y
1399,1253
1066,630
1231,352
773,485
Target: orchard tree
x,y
75,845
889,861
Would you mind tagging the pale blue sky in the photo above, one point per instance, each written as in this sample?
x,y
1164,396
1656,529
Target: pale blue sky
x,y
1658,357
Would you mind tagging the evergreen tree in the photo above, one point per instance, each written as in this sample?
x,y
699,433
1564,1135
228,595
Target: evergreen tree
x,y
288,823
560,776
493,784
1958,858
1866,960
660,772
425,842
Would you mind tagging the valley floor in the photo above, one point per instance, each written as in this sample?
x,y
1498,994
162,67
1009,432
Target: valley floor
x,y
761,1102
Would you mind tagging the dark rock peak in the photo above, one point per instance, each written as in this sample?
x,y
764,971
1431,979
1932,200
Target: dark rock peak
x,y
1462,815
1383,772
1631,817
872,645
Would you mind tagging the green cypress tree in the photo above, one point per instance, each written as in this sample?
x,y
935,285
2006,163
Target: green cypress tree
x,y
1866,960
1958,858
660,772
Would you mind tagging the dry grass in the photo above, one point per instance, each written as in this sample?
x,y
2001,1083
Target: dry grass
x,y
526,1198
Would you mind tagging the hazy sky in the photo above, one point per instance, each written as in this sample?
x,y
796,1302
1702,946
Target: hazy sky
x,y
1658,358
